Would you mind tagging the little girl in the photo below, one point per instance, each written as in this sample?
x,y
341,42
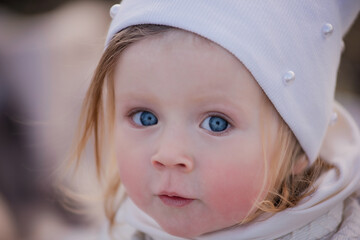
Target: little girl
x,y
217,120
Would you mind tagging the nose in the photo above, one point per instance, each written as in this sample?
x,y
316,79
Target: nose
x,y
182,163
173,154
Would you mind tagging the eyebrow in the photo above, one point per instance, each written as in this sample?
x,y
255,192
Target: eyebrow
x,y
136,96
216,97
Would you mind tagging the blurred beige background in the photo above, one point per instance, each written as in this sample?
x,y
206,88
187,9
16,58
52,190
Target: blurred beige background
x,y
48,52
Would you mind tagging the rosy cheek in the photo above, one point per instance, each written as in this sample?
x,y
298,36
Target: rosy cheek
x,y
233,188
134,185
131,167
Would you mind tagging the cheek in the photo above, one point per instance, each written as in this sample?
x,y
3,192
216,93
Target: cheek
x,y
233,191
133,167
235,181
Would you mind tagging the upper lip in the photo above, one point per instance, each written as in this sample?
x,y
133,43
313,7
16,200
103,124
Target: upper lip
x,y
173,194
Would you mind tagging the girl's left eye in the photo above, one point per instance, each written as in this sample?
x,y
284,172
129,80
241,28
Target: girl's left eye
x,y
144,118
215,124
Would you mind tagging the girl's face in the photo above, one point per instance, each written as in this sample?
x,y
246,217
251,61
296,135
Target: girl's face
x,y
188,133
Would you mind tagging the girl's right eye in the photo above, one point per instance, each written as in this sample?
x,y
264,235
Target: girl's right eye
x,y
144,118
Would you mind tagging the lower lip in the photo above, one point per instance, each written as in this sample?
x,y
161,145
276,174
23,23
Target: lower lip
x,y
174,201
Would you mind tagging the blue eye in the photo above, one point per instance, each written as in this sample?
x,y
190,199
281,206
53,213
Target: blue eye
x,y
144,118
215,124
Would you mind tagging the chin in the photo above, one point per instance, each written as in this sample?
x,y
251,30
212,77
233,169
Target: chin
x,y
183,232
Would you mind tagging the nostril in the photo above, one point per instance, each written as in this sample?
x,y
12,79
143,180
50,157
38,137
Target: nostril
x,y
157,164
160,164
182,165
177,162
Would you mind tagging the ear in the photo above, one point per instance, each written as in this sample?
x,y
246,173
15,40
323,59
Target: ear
x,y
300,164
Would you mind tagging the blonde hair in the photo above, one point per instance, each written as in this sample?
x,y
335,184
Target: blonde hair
x,y
285,191
289,187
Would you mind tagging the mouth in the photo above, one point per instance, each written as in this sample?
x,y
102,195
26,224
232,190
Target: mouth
x,y
174,200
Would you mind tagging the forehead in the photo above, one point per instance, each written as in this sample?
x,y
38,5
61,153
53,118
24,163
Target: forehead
x,y
175,42
179,58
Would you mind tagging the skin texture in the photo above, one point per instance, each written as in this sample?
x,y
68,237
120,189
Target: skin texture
x,y
183,79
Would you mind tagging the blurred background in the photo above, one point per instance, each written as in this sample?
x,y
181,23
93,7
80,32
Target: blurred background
x,y
48,52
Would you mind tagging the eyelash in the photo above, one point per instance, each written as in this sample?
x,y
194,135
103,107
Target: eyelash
x,y
216,114
132,112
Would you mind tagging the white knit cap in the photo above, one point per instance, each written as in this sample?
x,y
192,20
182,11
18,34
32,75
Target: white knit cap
x,y
291,47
